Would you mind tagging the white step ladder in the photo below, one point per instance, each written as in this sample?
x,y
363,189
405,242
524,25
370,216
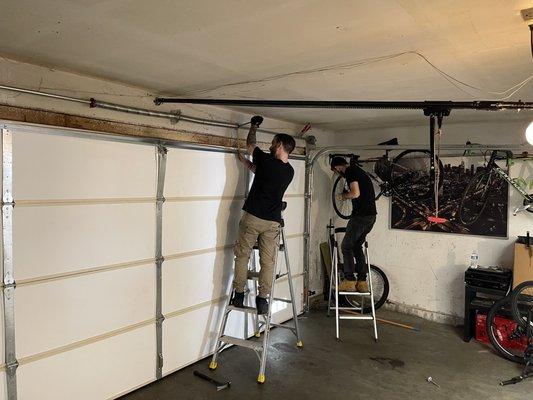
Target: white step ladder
x,y
354,313
261,321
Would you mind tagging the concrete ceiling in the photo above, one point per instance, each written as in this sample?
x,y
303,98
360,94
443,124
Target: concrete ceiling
x,y
286,49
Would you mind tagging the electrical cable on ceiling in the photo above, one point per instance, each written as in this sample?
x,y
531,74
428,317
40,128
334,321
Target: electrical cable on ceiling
x,y
454,81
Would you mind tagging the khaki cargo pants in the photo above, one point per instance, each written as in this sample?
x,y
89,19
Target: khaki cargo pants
x,y
265,233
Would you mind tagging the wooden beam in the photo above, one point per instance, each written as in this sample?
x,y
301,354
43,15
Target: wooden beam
x,y
97,125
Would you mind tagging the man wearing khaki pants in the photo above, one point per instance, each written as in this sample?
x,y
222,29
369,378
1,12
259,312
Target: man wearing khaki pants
x,y
262,213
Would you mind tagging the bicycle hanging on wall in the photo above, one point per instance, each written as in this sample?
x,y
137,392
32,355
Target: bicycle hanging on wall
x,y
479,191
407,176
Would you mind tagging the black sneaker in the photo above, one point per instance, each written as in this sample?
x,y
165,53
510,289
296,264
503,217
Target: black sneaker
x,y
238,299
262,305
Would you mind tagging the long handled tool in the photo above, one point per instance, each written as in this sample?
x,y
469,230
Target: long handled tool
x,y
220,385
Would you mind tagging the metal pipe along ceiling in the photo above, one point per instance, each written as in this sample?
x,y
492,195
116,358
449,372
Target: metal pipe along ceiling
x,y
174,117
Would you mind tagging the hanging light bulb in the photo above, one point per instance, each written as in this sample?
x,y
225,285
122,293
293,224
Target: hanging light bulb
x,y
529,134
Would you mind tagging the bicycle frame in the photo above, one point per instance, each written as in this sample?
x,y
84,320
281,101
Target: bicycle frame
x,y
492,166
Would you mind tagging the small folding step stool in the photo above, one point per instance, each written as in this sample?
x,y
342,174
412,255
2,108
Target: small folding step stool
x,y
348,312
260,347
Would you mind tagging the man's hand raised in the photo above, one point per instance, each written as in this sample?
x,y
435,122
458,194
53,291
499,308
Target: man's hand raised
x,y
256,120
251,140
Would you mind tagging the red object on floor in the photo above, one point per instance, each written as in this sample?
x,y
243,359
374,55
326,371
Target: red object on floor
x,y
481,329
504,329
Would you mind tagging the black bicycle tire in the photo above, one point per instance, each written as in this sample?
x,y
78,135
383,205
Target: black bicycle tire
x,y
403,154
490,333
461,205
514,303
334,200
384,296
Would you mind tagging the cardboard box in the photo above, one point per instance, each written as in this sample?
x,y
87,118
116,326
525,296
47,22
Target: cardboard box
x,y
523,264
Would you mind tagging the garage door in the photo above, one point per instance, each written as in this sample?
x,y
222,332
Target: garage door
x,y
85,256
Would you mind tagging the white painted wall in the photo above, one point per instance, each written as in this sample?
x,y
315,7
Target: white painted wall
x,y
426,269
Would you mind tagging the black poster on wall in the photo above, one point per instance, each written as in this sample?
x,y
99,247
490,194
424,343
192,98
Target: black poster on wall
x,y
457,175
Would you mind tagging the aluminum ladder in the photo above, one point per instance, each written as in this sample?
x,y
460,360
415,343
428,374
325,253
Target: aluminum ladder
x,y
261,322
354,313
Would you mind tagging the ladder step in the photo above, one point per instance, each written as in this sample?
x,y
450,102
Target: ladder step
x,y
241,342
291,328
253,275
354,294
347,308
242,309
355,317
282,300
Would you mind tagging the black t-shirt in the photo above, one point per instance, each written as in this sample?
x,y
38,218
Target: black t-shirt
x,y
272,177
365,204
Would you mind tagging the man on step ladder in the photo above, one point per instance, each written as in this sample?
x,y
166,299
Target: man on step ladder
x,y
361,193
261,223
262,213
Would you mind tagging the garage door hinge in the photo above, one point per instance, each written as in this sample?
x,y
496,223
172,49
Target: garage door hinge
x,y
12,366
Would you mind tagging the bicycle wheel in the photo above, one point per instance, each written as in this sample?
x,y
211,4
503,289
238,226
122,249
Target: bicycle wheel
x,y
475,197
522,303
380,287
411,175
343,208
508,339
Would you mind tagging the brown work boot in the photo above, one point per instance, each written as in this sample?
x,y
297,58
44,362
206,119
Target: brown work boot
x,y
347,286
362,287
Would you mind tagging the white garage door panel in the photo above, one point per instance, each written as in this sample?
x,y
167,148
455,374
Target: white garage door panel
x,y
295,247
96,371
297,185
200,173
199,224
193,280
3,391
52,314
60,167
294,215
190,337
283,311
2,342
65,239
57,239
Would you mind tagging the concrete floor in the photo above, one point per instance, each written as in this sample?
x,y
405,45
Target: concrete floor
x,y
356,367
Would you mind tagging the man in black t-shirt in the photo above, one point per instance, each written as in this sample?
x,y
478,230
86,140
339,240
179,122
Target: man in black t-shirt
x,y
262,213
361,192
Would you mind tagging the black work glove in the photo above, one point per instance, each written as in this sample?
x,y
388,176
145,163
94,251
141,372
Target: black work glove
x,y
256,120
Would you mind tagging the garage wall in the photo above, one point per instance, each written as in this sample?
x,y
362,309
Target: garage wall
x,y
84,246
426,270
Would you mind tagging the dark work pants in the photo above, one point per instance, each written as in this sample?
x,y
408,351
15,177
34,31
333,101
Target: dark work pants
x,y
352,246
